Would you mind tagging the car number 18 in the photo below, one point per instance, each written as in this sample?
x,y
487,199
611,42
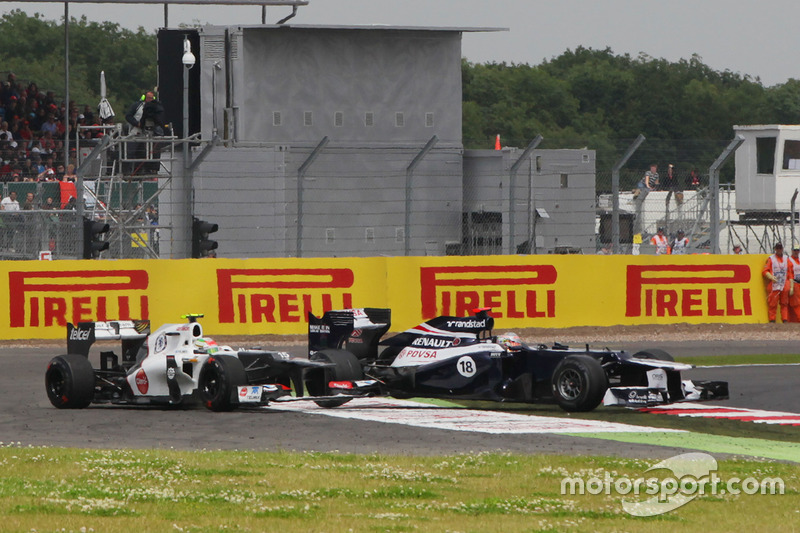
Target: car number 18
x,y
466,366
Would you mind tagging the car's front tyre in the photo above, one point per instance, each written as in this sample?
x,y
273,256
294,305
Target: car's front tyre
x,y
347,368
579,383
219,381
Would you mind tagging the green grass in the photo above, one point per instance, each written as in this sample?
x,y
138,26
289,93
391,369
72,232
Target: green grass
x,y
52,489
720,360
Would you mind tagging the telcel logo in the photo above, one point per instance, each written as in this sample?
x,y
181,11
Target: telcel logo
x,y
513,291
79,334
688,290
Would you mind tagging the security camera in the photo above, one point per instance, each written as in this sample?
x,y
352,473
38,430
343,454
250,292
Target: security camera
x,y
188,58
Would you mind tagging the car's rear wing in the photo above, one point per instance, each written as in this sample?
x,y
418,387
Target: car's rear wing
x,y
356,330
131,332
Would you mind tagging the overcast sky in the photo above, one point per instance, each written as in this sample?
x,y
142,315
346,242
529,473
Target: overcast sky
x,y
760,39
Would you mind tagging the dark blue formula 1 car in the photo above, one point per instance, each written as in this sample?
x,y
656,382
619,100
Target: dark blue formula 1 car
x,y
460,358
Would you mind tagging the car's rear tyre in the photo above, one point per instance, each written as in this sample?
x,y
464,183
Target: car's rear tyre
x,y
579,383
654,354
70,381
347,368
218,382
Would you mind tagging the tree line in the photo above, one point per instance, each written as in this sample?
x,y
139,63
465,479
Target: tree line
x,y
596,98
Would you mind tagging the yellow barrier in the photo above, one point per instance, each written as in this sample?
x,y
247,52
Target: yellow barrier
x,y
258,296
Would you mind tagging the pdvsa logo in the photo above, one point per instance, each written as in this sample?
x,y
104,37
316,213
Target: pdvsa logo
x,y
688,290
281,294
512,291
50,298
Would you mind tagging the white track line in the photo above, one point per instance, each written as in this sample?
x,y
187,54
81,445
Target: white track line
x,y
415,414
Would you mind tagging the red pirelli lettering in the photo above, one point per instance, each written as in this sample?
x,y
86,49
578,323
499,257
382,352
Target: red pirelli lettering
x,y
445,282
51,295
285,300
707,290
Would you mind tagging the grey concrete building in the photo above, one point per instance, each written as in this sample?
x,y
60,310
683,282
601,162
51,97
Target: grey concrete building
x,y
346,141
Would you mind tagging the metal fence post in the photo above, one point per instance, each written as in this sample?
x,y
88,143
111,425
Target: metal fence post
x,y
615,191
713,186
410,174
511,182
301,173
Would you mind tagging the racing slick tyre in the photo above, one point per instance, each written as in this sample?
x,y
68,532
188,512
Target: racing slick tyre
x,y
579,383
70,381
654,354
218,382
348,368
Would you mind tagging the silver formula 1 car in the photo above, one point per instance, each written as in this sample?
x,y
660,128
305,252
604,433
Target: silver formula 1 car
x,y
172,366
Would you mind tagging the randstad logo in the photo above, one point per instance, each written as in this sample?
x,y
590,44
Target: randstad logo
x,y
671,484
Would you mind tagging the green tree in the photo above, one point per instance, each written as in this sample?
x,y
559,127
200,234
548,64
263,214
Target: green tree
x,y
33,48
595,98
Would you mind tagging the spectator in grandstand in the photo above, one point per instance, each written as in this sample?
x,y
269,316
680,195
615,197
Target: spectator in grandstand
x,y
48,173
737,249
69,175
37,147
49,100
32,91
672,185
88,115
28,204
6,169
47,143
693,180
648,183
15,133
28,171
38,166
25,132
38,119
50,125
48,204
5,131
10,203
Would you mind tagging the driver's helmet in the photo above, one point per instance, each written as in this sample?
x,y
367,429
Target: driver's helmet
x,y
205,345
510,341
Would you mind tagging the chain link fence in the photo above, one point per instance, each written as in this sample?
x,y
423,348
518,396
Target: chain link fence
x,y
281,202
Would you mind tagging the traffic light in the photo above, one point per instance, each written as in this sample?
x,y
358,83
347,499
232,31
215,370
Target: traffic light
x,y
201,244
92,245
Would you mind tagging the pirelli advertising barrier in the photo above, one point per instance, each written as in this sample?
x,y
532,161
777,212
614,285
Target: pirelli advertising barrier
x,y
260,296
